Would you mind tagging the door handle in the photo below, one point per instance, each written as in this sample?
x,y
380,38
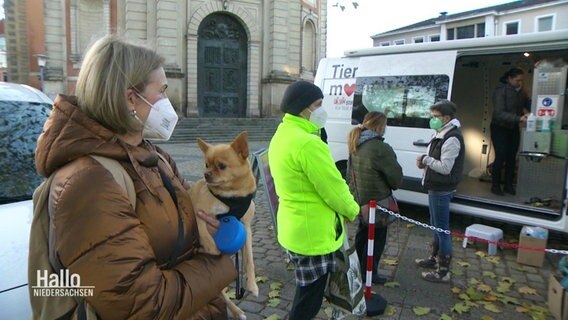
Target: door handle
x,y
420,143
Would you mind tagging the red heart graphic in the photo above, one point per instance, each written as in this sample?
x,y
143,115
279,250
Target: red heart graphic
x,y
349,89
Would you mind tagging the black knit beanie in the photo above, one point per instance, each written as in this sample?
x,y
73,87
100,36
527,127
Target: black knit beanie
x,y
298,96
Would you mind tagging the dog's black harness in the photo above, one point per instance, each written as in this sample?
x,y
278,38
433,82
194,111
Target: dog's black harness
x,y
238,206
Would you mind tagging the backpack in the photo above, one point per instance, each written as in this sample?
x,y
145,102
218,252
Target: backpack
x,y
42,254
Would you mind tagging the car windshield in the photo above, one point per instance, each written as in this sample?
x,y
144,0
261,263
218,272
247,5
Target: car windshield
x,y
20,125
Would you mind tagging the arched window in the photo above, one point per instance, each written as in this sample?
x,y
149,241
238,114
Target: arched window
x,y
308,47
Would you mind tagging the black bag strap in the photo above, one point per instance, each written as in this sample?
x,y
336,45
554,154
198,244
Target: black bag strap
x,y
177,249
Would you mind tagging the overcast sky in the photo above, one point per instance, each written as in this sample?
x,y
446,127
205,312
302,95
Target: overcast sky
x,y
352,28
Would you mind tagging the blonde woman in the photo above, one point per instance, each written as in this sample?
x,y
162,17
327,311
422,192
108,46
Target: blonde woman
x,y
143,263
373,174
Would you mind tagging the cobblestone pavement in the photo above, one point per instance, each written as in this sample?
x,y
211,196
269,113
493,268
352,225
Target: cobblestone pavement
x,y
405,243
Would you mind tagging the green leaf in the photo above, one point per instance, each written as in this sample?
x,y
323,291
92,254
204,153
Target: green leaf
x,y
493,308
274,294
273,317
486,318
463,264
261,279
493,259
420,311
445,317
390,310
473,281
474,294
503,287
508,279
328,312
457,272
275,285
274,302
391,284
489,274
460,308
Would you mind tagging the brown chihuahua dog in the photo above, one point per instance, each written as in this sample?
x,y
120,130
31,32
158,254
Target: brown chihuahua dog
x,y
228,186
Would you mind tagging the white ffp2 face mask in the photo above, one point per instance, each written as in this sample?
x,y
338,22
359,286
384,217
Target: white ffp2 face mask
x,y
318,117
161,121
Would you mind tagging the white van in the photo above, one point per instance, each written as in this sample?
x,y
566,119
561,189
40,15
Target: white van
x,y
404,81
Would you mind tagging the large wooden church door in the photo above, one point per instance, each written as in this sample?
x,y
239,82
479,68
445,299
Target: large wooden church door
x,y
222,67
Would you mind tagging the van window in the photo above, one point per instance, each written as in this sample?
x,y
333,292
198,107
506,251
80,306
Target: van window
x,y
405,100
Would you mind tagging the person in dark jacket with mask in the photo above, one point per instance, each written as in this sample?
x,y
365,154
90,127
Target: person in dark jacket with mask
x,y
443,169
373,174
510,108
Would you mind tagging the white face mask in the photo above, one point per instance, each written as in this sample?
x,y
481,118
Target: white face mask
x,y
161,121
318,117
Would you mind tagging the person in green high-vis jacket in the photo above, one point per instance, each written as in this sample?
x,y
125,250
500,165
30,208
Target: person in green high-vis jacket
x,y
314,200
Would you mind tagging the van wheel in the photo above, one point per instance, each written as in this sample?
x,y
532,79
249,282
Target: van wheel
x,y
342,167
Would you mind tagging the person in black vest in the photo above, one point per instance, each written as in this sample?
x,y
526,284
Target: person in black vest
x,y
443,168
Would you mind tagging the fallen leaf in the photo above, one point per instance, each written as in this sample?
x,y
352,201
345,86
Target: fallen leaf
x,y
473,281
274,302
463,264
484,288
464,296
232,294
445,317
474,294
410,226
489,274
491,298
391,284
493,259
390,311
274,294
261,279
480,254
420,311
328,312
503,287
276,285
506,299
273,317
519,268
460,308
539,308
486,318
457,272
493,308
522,309
456,290
527,290
390,262
508,280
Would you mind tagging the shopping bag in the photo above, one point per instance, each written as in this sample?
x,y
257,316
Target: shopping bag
x,y
345,289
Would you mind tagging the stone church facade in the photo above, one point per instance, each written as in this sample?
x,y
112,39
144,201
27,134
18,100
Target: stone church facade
x,y
224,58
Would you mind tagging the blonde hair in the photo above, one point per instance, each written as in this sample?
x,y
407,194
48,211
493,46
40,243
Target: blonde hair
x,y
374,120
110,67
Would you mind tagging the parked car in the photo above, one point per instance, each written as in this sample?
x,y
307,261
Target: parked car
x,y
23,111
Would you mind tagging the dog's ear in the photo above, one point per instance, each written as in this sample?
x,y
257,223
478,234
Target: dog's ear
x,y
204,146
240,145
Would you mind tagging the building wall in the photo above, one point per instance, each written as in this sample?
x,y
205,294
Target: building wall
x,y
62,29
494,23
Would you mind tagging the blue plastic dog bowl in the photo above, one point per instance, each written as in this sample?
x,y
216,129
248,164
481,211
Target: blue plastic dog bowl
x,y
230,236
